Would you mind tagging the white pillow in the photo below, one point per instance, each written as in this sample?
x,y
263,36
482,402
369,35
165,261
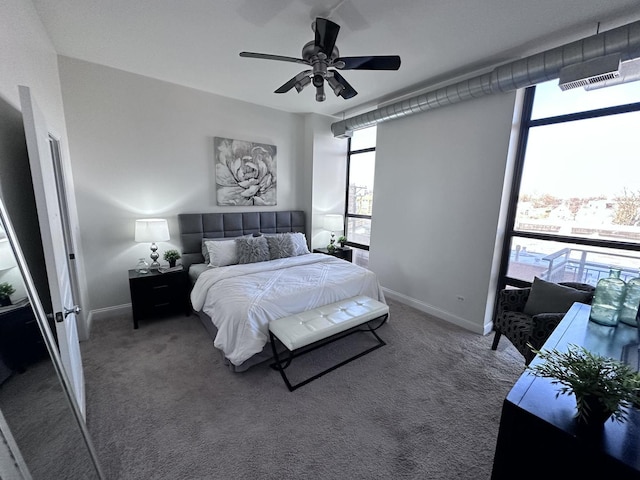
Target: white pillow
x,y
222,253
300,243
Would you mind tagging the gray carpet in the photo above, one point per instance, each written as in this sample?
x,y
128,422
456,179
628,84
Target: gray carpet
x,y
160,405
43,424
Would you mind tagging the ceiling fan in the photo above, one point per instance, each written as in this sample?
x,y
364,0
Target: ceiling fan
x,y
322,54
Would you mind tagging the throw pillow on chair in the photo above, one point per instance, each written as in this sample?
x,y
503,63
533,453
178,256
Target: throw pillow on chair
x,y
529,315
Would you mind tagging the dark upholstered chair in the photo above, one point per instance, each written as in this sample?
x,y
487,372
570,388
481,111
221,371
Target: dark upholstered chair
x,y
521,328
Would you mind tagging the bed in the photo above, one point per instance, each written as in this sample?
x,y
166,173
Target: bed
x,y
236,301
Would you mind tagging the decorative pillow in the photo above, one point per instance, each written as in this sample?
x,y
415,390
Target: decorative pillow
x,y
548,297
300,243
222,253
205,250
252,250
281,246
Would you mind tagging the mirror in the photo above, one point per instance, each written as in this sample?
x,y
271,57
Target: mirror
x,y
40,422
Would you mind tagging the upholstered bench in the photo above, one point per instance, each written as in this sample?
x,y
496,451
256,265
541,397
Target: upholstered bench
x,y
303,332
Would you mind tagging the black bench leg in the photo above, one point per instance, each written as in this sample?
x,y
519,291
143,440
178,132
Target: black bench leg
x,y
277,365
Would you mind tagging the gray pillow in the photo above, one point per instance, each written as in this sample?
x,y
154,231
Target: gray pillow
x,y
252,250
548,297
280,246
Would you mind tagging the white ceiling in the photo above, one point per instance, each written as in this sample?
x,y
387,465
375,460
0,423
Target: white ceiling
x,y
196,42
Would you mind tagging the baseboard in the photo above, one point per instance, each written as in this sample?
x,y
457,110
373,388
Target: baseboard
x,y
107,313
433,311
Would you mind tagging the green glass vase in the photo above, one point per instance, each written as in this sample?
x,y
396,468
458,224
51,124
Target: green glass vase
x,y
607,299
629,309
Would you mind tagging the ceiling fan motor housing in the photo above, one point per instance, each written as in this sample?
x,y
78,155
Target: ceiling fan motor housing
x,y
311,50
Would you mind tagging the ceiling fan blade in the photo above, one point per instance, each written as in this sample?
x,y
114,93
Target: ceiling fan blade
x,y
326,34
380,62
267,56
348,91
298,79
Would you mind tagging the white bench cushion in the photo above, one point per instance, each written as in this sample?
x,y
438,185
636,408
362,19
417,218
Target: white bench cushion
x,y
302,329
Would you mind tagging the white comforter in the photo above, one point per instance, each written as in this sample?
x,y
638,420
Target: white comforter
x,y
242,299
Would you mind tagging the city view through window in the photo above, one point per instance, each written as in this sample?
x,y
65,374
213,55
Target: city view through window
x,y
578,208
360,180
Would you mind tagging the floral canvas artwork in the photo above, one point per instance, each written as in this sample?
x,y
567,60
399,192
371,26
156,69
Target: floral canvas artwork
x,y
245,172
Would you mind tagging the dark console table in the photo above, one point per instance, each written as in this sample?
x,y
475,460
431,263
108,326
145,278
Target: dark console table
x,y
538,437
21,343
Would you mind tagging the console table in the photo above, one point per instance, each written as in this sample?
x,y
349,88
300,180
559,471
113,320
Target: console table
x,y
538,437
21,343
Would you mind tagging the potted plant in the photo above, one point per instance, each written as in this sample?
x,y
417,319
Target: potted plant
x,y
171,256
342,240
603,386
6,290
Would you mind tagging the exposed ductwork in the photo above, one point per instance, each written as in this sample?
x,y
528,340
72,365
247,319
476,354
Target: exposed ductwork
x,y
521,73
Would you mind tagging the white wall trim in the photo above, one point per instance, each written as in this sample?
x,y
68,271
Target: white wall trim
x,y
436,312
108,312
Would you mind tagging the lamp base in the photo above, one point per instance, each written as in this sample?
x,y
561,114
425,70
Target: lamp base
x,y
154,257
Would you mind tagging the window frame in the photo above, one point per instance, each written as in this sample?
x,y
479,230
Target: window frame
x,y
526,123
348,215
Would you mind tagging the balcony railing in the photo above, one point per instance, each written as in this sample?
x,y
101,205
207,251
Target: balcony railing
x,y
573,265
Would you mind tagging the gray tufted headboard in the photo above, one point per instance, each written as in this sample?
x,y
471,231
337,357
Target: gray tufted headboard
x,y
196,226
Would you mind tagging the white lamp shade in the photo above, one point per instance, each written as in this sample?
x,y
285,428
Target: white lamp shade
x,y
152,230
333,222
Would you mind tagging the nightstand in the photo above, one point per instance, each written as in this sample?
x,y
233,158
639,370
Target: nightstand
x,y
156,294
21,342
345,253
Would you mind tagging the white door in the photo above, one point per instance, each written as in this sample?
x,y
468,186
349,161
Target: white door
x,y
53,242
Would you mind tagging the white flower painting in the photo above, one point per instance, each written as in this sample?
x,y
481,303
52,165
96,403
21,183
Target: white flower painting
x,y
245,172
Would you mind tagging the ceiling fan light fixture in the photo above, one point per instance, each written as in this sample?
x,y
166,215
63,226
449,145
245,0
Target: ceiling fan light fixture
x,y
335,85
318,80
320,96
302,83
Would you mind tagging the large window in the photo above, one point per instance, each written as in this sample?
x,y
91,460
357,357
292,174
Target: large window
x,y
575,204
361,161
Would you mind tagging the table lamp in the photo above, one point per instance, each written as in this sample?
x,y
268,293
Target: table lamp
x,y
333,222
152,230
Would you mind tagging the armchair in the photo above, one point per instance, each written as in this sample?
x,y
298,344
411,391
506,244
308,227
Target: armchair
x,y
522,328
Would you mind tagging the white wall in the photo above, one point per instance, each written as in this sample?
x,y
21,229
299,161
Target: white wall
x,y
438,186
144,148
329,175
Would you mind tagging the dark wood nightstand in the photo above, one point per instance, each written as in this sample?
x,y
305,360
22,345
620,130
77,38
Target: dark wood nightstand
x,y
21,342
157,294
345,253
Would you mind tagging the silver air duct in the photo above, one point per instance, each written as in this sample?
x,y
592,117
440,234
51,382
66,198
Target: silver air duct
x,y
538,68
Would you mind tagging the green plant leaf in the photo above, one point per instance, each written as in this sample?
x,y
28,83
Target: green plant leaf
x,y
586,374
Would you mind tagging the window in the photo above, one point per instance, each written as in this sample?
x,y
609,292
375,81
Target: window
x,y
575,203
361,161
